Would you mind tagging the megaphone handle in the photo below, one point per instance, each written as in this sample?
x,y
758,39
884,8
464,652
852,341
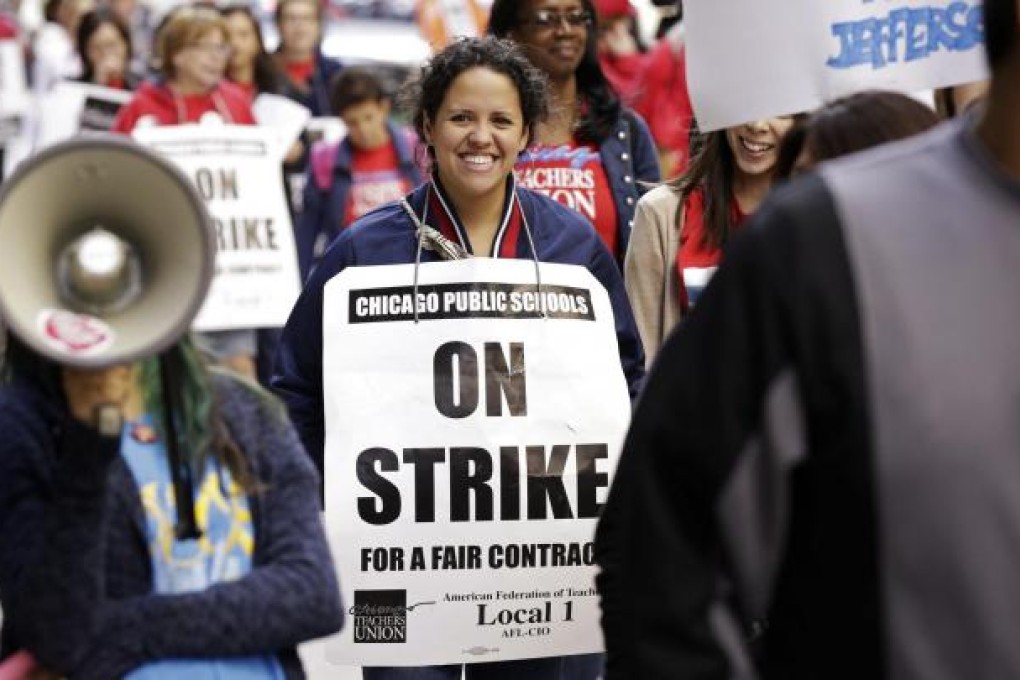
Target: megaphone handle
x,y
180,471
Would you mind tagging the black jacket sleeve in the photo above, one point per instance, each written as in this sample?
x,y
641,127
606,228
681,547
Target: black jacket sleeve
x,y
53,485
698,519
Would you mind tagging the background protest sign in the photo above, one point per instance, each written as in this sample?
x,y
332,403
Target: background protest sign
x,y
467,456
70,108
286,117
236,169
14,97
795,55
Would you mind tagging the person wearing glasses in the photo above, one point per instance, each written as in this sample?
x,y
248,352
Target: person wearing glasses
x,y
593,154
193,51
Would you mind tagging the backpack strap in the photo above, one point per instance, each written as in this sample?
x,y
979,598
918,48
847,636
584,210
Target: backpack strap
x,y
323,159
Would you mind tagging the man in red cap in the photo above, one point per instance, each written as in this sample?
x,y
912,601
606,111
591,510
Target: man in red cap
x,y
614,8
621,54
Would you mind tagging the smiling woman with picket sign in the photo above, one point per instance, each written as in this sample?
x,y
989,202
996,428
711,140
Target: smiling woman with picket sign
x,y
475,106
682,227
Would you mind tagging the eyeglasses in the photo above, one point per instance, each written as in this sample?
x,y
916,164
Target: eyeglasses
x,y
546,19
217,49
292,18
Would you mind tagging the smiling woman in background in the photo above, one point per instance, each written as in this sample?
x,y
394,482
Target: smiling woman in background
x,y
682,227
592,153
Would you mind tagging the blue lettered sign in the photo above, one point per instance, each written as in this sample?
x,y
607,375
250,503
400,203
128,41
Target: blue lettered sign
x,y
797,54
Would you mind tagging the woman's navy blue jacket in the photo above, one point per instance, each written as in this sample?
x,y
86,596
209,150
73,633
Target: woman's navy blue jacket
x,y
387,236
629,156
323,211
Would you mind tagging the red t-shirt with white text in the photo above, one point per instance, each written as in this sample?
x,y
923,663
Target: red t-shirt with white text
x,y
375,180
573,175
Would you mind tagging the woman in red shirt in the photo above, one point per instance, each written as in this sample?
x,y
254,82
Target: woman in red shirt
x,y
193,52
681,227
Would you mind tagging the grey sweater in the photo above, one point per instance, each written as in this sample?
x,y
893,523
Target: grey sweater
x,y
75,578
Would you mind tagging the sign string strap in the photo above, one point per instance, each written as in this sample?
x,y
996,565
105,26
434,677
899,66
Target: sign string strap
x,y
534,258
433,240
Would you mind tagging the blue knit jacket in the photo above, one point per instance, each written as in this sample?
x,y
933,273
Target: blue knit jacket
x,y
75,577
631,162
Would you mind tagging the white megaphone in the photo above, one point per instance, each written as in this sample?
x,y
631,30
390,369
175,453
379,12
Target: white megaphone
x,y
106,252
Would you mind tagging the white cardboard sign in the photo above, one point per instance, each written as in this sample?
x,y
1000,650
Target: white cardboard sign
x,y
285,116
467,456
71,107
795,55
236,169
14,97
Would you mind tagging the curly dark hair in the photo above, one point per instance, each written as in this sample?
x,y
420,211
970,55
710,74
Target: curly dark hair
x,y
422,96
602,107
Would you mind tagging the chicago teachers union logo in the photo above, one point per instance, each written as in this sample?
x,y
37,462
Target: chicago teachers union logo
x,y
380,616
